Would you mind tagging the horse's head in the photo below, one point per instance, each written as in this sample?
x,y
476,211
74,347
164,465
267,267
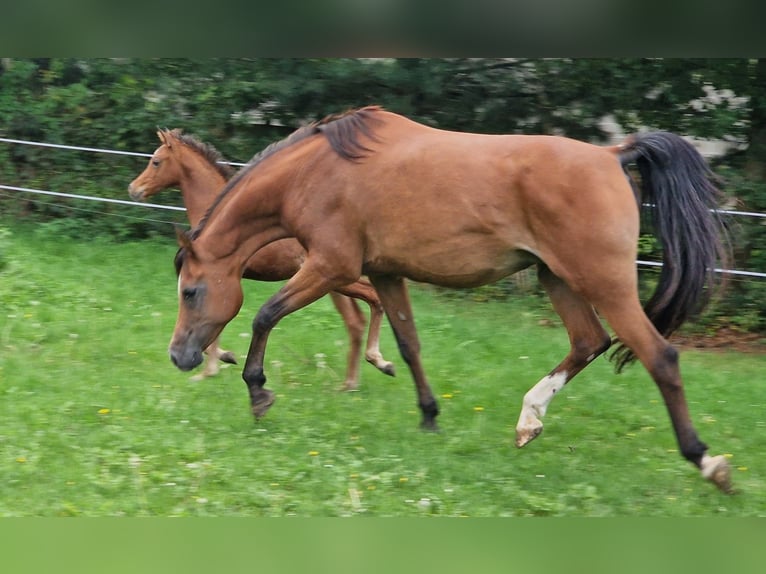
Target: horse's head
x,y
209,296
162,172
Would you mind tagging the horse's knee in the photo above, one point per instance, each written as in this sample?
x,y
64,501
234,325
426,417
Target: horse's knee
x,y
266,318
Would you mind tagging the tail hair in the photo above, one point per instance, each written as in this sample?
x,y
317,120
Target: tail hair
x,y
683,196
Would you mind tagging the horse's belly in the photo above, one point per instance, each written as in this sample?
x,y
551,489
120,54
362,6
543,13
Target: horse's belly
x,y
451,269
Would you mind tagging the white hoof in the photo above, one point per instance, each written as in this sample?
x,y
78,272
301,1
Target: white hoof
x,y
529,432
716,469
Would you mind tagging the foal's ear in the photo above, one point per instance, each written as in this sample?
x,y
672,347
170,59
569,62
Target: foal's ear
x,y
163,135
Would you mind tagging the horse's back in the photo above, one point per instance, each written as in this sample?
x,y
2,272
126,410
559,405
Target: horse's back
x,y
465,209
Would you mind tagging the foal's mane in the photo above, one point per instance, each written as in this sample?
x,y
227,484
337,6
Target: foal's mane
x,y
205,150
342,132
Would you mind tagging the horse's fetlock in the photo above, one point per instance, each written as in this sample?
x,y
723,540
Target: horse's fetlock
x,y
430,409
694,452
254,377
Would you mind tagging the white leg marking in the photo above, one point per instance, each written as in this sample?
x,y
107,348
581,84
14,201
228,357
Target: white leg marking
x,y
535,405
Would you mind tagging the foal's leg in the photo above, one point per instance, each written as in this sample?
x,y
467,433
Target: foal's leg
x,y
355,323
587,339
213,354
305,287
366,292
393,295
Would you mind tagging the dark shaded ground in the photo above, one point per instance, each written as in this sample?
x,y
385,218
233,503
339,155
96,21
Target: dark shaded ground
x,y
724,339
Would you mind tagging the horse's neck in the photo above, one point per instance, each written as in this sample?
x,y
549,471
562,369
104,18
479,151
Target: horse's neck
x,y
247,219
200,184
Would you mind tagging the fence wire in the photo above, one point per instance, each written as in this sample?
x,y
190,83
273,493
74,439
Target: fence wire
x,y
642,263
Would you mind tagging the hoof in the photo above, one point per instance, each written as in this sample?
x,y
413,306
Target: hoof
x,y
388,369
350,386
228,357
261,402
716,469
430,426
526,435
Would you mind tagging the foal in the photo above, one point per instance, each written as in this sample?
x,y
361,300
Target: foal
x,y
200,172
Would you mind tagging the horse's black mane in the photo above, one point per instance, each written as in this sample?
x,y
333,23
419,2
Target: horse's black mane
x,y
342,132
207,151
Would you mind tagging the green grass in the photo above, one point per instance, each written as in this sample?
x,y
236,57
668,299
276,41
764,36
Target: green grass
x,y
95,421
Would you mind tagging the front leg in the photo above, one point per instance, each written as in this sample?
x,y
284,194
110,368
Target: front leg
x,y
260,399
303,288
396,302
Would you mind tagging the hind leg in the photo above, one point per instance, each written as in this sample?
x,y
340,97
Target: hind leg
x,y
364,291
618,303
661,360
587,339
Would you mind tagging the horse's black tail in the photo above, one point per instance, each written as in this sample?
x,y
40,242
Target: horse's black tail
x,y
678,187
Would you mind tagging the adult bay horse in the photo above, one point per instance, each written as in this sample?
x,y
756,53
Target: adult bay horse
x,y
372,192
200,172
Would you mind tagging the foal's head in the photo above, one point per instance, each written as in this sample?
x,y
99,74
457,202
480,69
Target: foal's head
x,y
163,171
209,296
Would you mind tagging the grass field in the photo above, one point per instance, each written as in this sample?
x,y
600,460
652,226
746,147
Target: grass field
x,y
95,421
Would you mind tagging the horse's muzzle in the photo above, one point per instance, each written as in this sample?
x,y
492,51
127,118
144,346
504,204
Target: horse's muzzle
x,y
185,359
135,193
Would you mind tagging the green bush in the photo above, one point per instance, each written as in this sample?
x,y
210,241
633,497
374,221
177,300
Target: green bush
x,y
241,105
4,235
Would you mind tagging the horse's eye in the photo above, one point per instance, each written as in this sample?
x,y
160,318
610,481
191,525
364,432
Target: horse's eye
x,y
189,293
156,163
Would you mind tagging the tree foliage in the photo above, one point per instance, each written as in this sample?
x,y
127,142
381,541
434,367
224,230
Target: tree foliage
x,y
241,105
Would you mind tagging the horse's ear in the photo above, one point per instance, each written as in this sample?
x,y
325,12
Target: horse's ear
x,y
182,236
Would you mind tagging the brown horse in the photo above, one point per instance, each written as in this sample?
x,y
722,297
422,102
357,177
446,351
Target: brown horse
x,y
200,172
371,192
